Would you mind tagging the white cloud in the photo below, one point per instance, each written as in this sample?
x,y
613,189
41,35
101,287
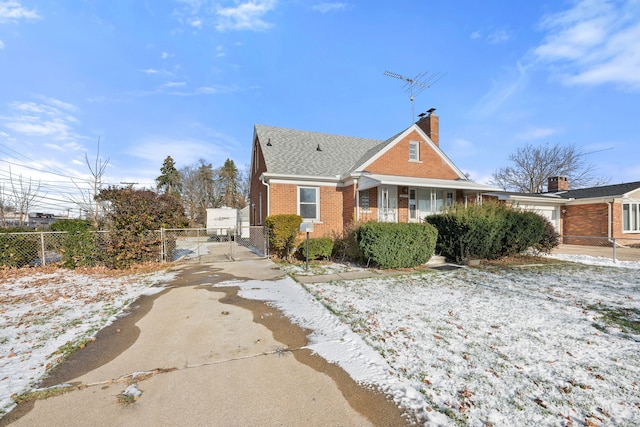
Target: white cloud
x,y
149,71
533,133
174,84
184,151
245,16
241,15
165,55
498,36
2,45
329,7
40,119
594,42
502,90
13,11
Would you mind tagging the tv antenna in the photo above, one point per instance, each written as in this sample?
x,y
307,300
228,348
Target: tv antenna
x,y
421,82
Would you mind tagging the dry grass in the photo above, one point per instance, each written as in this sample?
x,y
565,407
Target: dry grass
x,y
7,274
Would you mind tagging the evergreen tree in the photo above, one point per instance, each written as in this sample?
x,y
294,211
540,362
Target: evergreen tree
x,y
229,182
169,180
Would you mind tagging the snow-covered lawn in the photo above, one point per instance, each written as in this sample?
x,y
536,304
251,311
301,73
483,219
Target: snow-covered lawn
x,y
542,345
46,314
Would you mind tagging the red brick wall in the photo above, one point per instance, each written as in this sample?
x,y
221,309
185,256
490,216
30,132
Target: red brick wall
x,y
586,220
284,200
396,161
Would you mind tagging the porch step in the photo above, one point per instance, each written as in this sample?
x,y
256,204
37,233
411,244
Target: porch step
x,y
436,260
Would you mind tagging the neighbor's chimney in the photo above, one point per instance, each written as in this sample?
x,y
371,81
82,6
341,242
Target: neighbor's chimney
x,y
429,124
557,183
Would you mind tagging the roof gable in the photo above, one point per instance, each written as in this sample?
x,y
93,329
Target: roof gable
x,y
437,164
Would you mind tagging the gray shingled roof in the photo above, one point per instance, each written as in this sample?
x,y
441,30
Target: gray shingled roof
x,y
295,152
603,191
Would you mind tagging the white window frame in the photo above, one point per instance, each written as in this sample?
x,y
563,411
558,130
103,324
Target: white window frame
x,y
631,224
365,201
414,146
317,203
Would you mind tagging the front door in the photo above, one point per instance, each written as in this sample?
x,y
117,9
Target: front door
x,y
388,203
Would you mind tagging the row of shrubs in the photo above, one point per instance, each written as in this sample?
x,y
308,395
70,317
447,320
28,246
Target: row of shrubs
x,y
80,246
489,231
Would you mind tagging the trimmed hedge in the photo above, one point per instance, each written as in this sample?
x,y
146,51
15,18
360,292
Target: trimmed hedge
x,y
490,231
396,245
319,248
283,232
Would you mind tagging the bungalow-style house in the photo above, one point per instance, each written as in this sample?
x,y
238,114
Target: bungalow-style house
x,y
610,211
332,180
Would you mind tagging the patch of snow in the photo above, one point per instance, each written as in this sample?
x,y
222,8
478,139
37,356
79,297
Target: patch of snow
x,y
506,346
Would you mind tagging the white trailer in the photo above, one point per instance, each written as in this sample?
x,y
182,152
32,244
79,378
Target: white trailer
x,y
222,221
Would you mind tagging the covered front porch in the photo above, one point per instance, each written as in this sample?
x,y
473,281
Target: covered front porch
x,y
387,198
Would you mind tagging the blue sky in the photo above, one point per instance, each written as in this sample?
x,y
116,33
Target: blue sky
x,y
190,78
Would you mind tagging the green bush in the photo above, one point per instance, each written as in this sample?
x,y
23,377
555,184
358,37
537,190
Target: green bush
x,y
549,239
523,230
283,232
79,247
396,245
319,248
17,248
345,246
489,231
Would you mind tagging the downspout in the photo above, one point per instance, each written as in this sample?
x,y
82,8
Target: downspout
x,y
357,202
268,195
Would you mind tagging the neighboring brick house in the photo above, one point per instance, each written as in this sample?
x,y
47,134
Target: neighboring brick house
x,y
609,211
333,181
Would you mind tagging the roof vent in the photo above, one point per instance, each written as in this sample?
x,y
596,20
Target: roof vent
x,y
318,148
269,143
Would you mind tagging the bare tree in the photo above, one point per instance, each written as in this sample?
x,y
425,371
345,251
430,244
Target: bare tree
x,y
23,196
5,206
198,191
87,201
533,165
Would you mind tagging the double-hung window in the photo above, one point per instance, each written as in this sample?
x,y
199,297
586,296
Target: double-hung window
x,y
309,203
414,151
631,217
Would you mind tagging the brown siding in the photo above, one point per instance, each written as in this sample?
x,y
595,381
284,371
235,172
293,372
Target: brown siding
x,y
396,161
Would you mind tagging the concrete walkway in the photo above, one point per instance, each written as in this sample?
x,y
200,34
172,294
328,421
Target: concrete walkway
x,y
201,356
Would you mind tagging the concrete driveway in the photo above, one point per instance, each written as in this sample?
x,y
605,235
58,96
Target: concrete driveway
x,y
201,356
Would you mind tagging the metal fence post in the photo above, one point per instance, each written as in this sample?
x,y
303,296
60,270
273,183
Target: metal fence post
x,y
614,249
162,246
44,260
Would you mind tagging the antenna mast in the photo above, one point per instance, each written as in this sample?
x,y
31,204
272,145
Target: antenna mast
x,y
422,81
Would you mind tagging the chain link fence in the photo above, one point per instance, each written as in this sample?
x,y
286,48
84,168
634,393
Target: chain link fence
x,y
618,249
108,247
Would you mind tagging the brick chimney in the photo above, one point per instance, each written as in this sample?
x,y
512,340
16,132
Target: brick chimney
x,y
429,124
557,183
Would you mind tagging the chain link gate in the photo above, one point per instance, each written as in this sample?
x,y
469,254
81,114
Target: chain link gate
x,y
202,245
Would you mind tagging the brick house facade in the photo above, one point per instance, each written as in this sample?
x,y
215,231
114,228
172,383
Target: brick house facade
x,y
333,181
587,215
